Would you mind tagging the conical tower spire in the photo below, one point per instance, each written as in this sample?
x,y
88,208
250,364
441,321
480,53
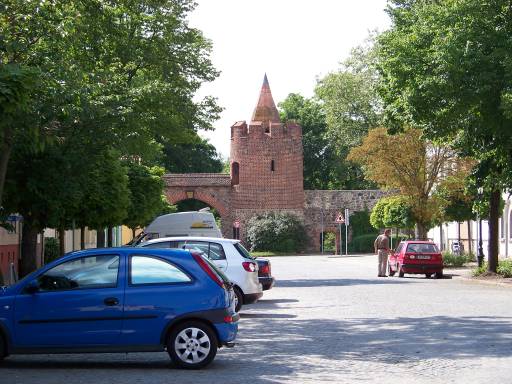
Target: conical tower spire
x,y
266,110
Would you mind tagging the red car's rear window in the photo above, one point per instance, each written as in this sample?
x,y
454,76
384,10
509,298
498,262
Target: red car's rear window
x,y
421,248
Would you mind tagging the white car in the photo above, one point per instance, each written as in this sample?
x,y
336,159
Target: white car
x,y
228,255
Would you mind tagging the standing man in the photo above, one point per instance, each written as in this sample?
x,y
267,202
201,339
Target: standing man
x,y
382,249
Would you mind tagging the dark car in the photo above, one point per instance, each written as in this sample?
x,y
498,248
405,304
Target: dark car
x,y
265,274
121,300
416,257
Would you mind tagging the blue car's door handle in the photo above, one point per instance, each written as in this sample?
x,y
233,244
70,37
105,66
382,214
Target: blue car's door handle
x,y
110,301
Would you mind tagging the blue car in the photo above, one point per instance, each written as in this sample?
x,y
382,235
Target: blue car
x,y
121,300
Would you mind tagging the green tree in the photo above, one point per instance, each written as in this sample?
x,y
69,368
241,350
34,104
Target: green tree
x,y
325,165
351,101
393,212
194,155
446,68
146,187
322,169
408,163
117,77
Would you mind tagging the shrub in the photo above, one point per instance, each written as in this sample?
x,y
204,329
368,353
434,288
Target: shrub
x,y
276,232
51,249
480,270
504,269
363,243
453,260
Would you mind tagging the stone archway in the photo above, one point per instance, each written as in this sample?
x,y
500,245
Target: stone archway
x,y
177,196
211,188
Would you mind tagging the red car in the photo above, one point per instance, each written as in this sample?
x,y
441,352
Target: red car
x,y
416,257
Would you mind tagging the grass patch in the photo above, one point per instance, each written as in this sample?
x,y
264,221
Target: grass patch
x,y
453,260
269,253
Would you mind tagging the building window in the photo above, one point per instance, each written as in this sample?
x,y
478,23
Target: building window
x,y
236,233
272,165
235,173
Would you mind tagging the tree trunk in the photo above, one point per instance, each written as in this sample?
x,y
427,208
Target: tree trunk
x,y
494,216
5,153
133,233
420,231
28,261
62,241
82,237
110,237
100,238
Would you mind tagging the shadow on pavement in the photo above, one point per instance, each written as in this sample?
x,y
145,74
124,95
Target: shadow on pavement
x,y
267,316
339,282
272,349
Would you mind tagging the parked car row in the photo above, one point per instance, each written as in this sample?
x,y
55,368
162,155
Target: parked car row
x,y
250,276
122,300
179,294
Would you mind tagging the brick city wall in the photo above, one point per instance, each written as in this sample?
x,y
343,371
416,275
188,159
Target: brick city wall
x,y
323,206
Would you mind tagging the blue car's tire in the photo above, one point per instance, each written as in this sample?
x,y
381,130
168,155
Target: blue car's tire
x,y
3,347
192,345
239,299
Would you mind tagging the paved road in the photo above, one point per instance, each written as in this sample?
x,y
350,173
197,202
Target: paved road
x,y
329,319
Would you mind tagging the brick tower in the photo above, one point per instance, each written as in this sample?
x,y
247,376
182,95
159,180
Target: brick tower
x,y
266,162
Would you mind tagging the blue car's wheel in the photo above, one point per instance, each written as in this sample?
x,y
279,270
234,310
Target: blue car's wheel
x,y
3,348
192,345
239,299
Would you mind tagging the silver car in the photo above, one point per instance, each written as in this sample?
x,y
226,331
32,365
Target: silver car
x,y
228,255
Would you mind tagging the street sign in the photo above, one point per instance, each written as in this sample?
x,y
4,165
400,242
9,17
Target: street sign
x,y
236,224
339,218
347,217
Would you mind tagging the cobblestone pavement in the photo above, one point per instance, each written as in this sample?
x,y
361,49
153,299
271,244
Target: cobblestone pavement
x,y
329,319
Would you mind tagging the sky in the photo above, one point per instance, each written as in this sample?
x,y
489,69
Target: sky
x,y
295,42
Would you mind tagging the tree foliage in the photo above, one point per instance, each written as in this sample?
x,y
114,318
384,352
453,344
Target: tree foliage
x,y
114,80
392,212
195,155
146,187
408,163
322,167
351,101
446,68
325,164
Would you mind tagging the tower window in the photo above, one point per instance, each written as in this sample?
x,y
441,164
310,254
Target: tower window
x,y
272,165
235,173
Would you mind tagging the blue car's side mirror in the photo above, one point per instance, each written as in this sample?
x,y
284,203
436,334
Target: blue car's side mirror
x,y
32,287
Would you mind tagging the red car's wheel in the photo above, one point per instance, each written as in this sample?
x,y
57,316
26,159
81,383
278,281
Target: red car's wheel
x,y
390,270
401,272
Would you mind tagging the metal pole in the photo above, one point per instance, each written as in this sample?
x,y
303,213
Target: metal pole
x,y
341,245
480,256
346,238
322,234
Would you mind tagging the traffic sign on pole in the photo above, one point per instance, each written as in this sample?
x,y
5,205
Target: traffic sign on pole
x,y
339,218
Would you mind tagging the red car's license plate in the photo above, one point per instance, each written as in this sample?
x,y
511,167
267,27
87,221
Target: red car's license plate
x,y
424,257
